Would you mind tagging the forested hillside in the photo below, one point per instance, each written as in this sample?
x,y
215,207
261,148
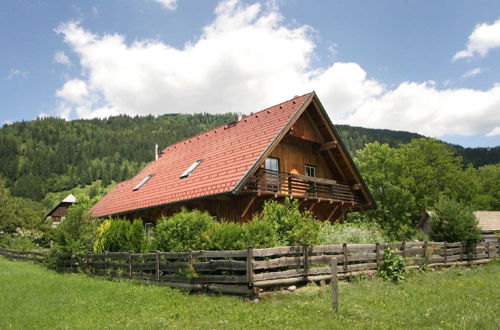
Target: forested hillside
x,y
51,155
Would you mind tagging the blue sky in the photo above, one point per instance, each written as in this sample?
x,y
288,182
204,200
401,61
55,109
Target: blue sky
x,y
431,67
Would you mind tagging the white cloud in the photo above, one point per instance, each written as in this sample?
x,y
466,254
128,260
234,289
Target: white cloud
x,y
494,132
484,38
472,73
61,58
15,73
168,4
246,59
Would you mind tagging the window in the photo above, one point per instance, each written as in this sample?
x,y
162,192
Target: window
x,y
191,168
311,171
272,164
143,182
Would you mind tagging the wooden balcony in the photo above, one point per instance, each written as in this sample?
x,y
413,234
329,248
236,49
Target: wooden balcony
x,y
288,184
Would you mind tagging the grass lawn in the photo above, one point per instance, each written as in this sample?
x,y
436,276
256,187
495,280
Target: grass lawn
x,y
460,298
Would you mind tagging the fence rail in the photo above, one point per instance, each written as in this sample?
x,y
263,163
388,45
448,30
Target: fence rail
x,y
245,272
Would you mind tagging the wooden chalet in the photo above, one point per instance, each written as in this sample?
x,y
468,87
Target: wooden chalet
x,y
59,212
289,150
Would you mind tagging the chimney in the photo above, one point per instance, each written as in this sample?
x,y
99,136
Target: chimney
x,y
156,151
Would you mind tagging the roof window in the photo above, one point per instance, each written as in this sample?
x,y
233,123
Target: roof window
x,y
191,168
143,182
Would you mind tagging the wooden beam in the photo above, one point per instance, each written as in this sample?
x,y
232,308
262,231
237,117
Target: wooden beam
x,y
356,186
312,206
248,206
328,146
332,213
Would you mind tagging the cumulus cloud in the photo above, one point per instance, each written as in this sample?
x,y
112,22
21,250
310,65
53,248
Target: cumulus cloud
x,y
494,132
61,58
484,38
249,58
168,4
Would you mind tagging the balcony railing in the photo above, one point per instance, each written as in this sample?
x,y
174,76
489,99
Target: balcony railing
x,y
281,183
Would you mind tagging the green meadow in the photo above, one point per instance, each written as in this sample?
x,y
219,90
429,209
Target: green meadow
x,y
458,298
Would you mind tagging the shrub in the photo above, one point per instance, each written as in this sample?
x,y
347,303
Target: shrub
x,y
454,222
137,236
261,233
186,230
356,233
292,226
229,236
392,267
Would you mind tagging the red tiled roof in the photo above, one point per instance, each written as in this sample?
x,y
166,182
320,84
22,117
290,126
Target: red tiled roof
x,y
228,152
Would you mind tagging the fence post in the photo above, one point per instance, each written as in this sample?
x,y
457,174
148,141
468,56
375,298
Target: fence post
x,y
344,250
462,251
107,263
377,252
488,249
403,249
157,268
335,286
87,261
250,270
445,253
306,260
129,264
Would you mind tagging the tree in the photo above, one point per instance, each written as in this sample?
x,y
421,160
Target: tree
x,y
454,222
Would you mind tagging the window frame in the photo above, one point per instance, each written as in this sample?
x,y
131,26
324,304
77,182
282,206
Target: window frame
x,y
309,166
143,182
278,162
191,169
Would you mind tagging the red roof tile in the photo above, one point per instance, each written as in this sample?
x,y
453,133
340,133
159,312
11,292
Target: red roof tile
x,y
228,152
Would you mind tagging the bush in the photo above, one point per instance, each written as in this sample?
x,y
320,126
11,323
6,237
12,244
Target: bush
x,y
186,230
229,236
292,226
261,233
392,267
454,222
356,233
137,236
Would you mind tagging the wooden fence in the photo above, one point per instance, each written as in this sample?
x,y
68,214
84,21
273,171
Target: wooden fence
x,y
247,272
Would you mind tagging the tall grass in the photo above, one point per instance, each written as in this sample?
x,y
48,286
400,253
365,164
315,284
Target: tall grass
x,y
33,297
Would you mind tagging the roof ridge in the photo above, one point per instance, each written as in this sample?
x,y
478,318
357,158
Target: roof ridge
x,y
237,121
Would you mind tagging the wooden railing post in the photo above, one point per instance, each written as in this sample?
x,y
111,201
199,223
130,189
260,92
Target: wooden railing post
x,y
344,250
129,264
445,253
335,286
250,266
306,260
377,253
462,251
157,267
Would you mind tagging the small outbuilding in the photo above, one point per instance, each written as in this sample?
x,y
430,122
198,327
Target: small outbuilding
x,y
59,212
488,222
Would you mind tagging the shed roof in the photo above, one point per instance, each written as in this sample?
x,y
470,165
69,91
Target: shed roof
x,y
488,220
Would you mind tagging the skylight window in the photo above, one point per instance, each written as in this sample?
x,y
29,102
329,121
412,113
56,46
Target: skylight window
x,y
191,168
143,182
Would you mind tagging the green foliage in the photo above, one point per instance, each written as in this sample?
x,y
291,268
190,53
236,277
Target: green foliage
x,y
77,233
186,230
229,236
392,267
355,233
17,213
137,236
292,226
261,233
407,180
454,222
